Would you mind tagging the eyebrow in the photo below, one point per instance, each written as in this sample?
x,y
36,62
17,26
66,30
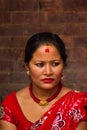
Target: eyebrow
x,y
49,61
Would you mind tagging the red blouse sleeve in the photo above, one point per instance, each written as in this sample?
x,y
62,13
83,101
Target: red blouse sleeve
x,y
85,105
6,109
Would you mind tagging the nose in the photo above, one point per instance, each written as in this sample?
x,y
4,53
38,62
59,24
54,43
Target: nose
x,y
48,70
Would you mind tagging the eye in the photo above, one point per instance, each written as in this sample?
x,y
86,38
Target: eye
x,y
55,64
39,64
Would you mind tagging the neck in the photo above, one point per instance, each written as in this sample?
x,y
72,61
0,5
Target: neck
x,y
44,95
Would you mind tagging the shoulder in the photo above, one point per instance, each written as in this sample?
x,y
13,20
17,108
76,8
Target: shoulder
x,y
78,100
11,100
8,100
9,103
79,104
75,97
74,93
79,95
23,93
7,107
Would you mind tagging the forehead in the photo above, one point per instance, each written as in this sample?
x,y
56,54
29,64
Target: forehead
x,y
45,51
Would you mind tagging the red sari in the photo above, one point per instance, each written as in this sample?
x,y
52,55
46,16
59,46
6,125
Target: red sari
x,y
65,114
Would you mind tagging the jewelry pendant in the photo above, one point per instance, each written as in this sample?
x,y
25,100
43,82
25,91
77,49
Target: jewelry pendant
x,y
43,103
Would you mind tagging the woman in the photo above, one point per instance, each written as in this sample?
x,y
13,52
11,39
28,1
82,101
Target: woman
x,y
46,104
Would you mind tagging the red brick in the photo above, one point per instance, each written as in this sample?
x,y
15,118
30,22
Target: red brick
x,y
82,87
18,42
74,5
69,29
80,79
13,42
4,17
11,30
61,29
20,30
19,65
70,77
75,78
19,77
17,5
30,30
4,78
80,41
10,54
50,5
6,89
76,86
28,18
68,41
80,66
66,17
6,65
4,42
75,54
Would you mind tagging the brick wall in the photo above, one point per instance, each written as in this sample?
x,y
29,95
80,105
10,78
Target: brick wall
x,y
20,19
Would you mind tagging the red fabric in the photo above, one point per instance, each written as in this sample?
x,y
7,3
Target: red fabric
x,y
65,114
13,113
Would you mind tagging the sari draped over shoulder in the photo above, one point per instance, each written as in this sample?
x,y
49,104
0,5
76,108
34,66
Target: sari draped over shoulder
x,y
65,114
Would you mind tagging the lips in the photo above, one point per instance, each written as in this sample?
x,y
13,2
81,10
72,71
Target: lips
x,y
48,80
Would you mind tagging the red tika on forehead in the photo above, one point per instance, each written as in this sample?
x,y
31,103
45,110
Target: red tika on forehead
x,y
47,50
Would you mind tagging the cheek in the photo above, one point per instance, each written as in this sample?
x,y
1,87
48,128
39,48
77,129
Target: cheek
x,y
59,71
58,74
34,73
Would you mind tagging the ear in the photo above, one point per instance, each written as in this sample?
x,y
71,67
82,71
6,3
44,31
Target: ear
x,y
26,66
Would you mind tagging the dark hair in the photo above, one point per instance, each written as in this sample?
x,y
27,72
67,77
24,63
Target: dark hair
x,y
44,38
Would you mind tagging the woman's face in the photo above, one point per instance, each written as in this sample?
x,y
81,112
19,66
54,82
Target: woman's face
x,y
46,67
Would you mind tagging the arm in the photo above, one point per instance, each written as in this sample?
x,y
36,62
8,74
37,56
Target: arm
x,y
7,126
82,126
7,113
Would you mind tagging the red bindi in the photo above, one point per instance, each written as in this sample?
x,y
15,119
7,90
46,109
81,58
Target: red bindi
x,y
47,49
